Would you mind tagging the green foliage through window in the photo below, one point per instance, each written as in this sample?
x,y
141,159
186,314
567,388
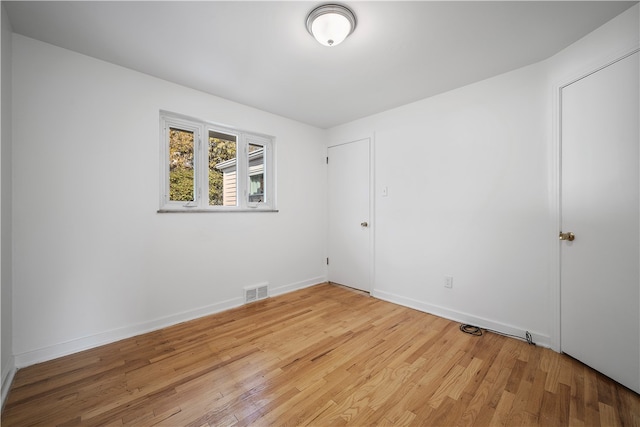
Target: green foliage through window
x,y
181,165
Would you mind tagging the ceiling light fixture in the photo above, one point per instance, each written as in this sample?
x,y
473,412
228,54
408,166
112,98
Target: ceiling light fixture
x,y
330,24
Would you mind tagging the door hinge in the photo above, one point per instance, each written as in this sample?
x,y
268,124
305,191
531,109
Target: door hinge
x,y
327,160
327,261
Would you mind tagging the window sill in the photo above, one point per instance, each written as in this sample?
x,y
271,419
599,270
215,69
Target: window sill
x,y
195,210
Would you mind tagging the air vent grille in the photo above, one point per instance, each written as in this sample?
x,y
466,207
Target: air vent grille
x,y
255,293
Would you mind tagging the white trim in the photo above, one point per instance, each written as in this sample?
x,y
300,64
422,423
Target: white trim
x,y
556,183
268,170
8,374
554,209
280,290
62,349
198,210
167,122
58,350
372,212
461,317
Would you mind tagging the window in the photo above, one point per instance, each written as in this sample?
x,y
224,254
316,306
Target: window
x,y
229,170
255,159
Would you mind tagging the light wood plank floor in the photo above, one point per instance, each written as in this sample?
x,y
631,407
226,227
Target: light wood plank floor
x,y
321,356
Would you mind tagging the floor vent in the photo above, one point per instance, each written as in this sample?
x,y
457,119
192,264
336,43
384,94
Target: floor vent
x,y
255,293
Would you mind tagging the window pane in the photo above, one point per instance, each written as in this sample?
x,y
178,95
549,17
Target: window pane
x,y
222,169
181,184
256,173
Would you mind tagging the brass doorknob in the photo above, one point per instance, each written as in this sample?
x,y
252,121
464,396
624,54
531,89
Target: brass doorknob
x,y
364,224
567,236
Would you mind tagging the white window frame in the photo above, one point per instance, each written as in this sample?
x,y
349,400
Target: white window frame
x,y
201,130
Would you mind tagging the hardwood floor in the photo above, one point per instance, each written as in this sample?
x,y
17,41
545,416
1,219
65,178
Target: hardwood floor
x,y
321,356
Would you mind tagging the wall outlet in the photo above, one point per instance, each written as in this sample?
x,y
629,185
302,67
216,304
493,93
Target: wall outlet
x,y
448,282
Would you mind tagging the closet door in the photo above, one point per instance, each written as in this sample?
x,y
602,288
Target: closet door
x,y
600,280
349,228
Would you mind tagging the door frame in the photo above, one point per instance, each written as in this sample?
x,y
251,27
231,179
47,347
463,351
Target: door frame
x,y
556,183
372,193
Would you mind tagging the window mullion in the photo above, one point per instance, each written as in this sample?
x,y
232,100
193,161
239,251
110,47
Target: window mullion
x,y
196,166
242,171
203,168
164,155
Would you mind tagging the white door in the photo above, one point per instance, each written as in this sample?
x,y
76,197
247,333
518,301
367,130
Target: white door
x,y
349,228
600,281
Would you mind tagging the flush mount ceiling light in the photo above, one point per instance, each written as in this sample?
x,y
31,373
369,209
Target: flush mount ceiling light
x,y
330,24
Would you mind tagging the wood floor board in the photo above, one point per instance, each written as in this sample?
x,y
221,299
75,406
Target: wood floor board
x,y
323,356
517,416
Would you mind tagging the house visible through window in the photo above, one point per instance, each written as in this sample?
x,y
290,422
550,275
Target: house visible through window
x,y
223,189
256,173
230,170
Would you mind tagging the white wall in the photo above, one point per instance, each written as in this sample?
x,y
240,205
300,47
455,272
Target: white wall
x,y
6,348
466,199
93,261
608,42
471,193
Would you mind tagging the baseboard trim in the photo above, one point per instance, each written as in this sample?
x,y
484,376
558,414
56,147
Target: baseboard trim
x,y
74,346
296,286
458,316
8,373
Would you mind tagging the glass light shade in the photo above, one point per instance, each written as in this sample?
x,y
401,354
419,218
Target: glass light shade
x,y
330,24
330,29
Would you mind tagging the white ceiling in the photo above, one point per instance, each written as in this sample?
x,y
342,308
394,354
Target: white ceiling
x,y
260,53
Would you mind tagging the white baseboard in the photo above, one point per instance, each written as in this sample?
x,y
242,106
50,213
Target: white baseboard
x,y
63,349
467,318
80,344
296,286
8,373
